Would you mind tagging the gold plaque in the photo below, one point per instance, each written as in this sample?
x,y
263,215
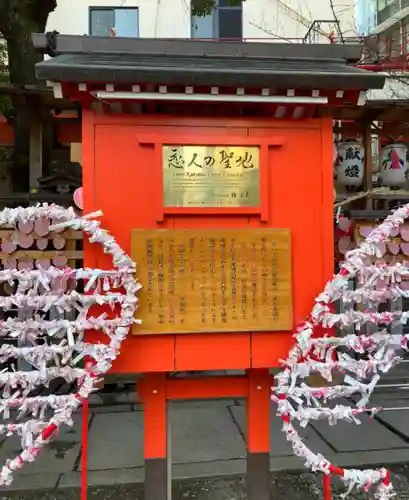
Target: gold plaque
x,y
211,176
213,280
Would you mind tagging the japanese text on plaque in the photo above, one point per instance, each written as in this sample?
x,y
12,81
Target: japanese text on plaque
x,y
211,176
213,280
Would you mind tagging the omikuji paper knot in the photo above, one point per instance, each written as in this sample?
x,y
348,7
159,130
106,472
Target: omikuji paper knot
x,y
296,401
61,347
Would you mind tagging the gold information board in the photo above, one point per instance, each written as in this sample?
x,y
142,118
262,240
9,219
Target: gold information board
x,y
211,176
213,280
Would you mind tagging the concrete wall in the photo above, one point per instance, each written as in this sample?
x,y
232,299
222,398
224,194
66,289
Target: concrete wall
x,y
274,19
164,18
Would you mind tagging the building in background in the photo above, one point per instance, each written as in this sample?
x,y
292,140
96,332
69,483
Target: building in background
x,y
366,15
386,24
277,20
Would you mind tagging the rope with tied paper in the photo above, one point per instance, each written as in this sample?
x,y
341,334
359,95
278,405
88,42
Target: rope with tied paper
x,y
297,401
62,341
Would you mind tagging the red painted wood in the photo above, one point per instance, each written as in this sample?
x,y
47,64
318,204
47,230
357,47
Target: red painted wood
x,y
121,177
207,388
152,392
258,411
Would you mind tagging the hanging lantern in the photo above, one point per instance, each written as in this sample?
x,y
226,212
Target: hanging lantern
x,y
350,164
394,165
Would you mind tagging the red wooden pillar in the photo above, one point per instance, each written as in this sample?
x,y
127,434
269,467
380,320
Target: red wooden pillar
x,y
258,433
152,391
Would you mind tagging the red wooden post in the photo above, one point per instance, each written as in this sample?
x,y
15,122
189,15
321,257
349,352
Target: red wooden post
x,y
152,390
258,433
84,450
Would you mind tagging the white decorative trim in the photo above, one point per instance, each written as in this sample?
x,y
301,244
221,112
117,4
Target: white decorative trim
x,y
210,97
362,98
57,89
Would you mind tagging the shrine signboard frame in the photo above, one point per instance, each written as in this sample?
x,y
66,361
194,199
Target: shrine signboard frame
x,y
158,142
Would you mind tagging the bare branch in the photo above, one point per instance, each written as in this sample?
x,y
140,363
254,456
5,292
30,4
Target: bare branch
x,y
331,4
270,33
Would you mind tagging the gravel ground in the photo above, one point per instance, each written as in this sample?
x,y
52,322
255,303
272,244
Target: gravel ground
x,y
284,486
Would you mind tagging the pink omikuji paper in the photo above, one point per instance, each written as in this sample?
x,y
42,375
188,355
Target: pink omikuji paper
x,y
78,198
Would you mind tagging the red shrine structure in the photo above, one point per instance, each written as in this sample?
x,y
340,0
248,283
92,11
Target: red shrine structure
x,y
151,107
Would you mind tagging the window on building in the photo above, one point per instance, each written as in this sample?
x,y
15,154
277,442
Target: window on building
x,y
225,22
125,20
388,8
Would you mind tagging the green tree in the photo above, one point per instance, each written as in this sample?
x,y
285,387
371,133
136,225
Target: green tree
x,y
5,103
18,20
204,7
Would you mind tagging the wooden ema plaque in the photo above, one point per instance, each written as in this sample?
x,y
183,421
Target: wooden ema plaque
x,y
213,280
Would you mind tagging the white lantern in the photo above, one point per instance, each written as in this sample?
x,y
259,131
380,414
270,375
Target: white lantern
x,y
394,165
350,164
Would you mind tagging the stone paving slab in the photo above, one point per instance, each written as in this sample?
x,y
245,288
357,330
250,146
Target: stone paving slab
x,y
279,446
198,434
204,434
370,458
390,400
401,395
207,403
116,441
399,420
190,470
60,455
113,398
122,408
370,435
103,477
41,481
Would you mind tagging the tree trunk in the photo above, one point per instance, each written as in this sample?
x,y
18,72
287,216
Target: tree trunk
x,y
18,20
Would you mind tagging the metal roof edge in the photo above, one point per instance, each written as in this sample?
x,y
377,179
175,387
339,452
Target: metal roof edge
x,y
77,44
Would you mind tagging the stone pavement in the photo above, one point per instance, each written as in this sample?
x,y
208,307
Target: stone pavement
x,y
208,440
